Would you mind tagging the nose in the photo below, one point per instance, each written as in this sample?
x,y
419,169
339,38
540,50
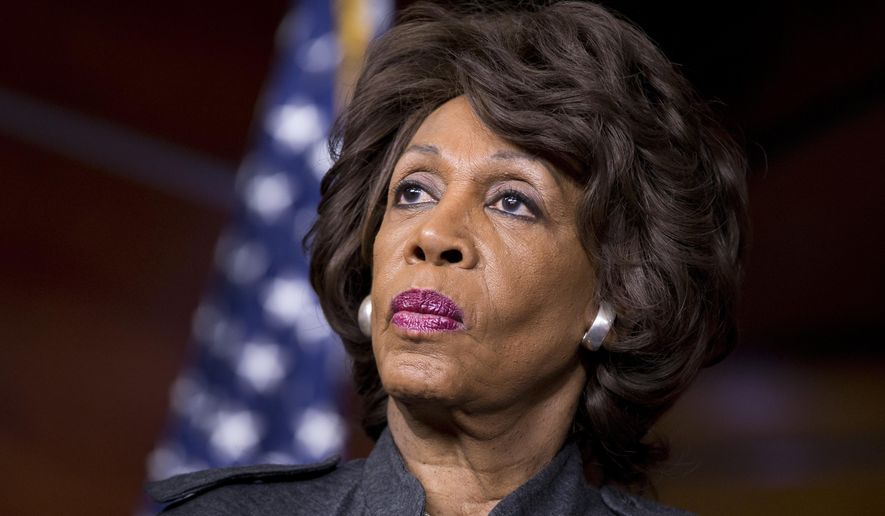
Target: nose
x,y
444,238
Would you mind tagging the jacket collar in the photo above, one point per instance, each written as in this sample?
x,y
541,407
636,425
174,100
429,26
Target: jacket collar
x,y
389,487
559,488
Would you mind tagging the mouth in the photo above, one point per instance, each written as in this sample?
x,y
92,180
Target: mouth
x,y
425,311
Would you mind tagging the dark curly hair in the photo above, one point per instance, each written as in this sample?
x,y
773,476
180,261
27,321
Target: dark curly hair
x,y
662,215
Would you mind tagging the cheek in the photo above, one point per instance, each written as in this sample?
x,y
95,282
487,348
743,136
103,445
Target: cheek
x,y
540,267
544,285
385,250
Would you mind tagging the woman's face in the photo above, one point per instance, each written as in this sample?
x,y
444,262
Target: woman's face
x,y
476,220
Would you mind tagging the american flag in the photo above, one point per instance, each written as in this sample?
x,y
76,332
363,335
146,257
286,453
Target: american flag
x,y
261,383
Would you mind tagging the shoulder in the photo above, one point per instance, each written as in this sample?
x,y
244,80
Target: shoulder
x,y
626,504
261,489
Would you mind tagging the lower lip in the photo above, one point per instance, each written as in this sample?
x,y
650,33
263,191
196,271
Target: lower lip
x,y
425,323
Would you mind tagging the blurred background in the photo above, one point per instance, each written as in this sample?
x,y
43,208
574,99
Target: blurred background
x,y
122,125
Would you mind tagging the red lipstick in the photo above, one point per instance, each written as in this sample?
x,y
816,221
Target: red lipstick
x,y
426,311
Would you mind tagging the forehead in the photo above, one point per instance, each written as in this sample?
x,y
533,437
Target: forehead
x,y
454,129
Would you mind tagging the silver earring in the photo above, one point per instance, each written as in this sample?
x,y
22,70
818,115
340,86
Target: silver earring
x,y
599,329
364,316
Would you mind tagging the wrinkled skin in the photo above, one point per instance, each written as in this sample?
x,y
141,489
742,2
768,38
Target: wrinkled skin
x,y
481,401
515,268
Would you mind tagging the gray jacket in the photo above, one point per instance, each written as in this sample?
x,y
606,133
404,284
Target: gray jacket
x,y
380,485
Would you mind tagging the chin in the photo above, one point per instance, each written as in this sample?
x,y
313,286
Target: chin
x,y
413,377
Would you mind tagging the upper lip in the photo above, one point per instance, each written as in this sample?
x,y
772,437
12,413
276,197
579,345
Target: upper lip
x,y
426,301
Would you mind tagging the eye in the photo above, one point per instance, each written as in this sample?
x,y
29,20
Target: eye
x,y
515,204
409,193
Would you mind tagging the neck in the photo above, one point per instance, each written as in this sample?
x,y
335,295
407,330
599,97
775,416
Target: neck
x,y
466,462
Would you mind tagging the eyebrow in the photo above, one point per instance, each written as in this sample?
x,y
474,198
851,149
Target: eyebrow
x,y
510,155
503,155
423,149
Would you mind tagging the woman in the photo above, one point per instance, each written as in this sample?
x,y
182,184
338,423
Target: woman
x,y
529,244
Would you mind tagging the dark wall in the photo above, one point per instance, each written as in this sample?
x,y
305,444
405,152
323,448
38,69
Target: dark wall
x,y
99,272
